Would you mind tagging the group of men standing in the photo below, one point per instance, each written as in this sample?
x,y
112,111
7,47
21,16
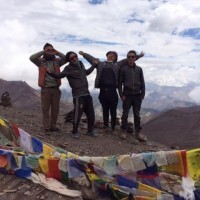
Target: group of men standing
x,y
111,75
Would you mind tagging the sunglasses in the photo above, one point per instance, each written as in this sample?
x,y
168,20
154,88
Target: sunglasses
x,y
50,50
131,57
73,57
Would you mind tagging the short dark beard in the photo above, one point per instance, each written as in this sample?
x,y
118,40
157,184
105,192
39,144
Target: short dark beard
x,y
76,63
132,65
49,57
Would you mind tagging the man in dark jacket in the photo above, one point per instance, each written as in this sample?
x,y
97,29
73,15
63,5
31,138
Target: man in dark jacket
x,y
107,81
132,80
76,74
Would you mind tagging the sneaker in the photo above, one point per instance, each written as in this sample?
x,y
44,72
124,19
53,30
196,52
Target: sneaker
x,y
55,129
91,133
130,130
47,131
114,132
141,137
75,135
134,141
107,130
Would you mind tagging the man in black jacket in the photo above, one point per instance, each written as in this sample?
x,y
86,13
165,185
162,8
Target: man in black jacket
x,y
107,81
132,80
76,74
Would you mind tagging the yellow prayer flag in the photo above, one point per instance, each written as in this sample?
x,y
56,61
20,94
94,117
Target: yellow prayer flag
x,y
2,122
193,163
144,198
93,177
47,151
44,165
72,155
148,188
179,167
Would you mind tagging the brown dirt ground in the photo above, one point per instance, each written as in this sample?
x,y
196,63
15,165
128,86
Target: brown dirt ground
x,y
106,144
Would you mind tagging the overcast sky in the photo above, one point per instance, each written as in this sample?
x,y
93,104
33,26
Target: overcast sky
x,y
167,31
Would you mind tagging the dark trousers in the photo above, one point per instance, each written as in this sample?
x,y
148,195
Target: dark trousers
x,y
109,100
82,105
135,102
50,99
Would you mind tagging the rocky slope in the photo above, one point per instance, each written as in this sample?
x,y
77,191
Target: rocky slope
x,y
14,188
104,145
176,127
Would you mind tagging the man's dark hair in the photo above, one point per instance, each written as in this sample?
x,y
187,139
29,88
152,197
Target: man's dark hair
x,y
47,45
132,51
115,53
68,54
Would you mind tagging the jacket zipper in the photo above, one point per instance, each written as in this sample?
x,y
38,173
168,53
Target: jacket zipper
x,y
133,78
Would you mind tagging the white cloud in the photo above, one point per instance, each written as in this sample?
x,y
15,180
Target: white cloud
x,y
170,58
195,94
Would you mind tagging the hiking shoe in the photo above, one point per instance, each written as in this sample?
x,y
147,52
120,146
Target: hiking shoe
x,y
134,141
47,131
122,135
107,130
75,135
55,129
91,134
114,132
141,137
130,130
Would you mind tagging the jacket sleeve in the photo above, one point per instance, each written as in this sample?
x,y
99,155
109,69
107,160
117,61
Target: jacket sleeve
x,y
89,58
63,74
90,70
35,58
62,59
142,84
120,82
122,63
139,56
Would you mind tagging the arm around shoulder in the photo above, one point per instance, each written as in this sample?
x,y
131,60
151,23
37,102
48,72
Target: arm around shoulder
x,y
57,75
62,57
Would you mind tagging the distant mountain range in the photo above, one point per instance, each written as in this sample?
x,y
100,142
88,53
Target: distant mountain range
x,y
166,97
22,95
157,99
25,97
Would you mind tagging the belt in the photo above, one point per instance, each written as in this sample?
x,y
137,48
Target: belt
x,y
108,89
50,87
